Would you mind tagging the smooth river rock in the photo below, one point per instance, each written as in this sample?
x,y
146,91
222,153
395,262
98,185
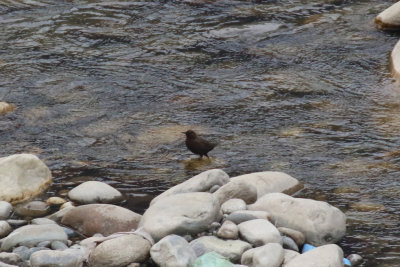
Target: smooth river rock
x,y
5,228
297,236
228,230
33,234
320,222
237,190
324,256
259,232
55,201
269,255
247,215
65,258
32,209
11,258
270,182
172,251
5,210
202,182
389,18
95,192
233,205
231,249
181,214
104,218
120,251
22,176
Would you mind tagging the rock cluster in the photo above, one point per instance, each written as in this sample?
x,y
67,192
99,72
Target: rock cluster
x,y
190,224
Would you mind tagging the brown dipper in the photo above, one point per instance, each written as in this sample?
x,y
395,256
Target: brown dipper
x,y
197,144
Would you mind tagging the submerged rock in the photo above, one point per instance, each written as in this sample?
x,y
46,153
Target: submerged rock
x,y
270,182
186,213
389,18
320,222
172,251
95,192
202,182
104,218
120,251
22,177
324,256
33,234
231,249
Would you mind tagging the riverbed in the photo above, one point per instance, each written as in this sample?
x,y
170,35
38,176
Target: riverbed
x,y
104,89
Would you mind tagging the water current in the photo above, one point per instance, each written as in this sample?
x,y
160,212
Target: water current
x,y
104,89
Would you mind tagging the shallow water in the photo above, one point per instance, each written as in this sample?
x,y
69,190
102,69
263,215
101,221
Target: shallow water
x,y
105,88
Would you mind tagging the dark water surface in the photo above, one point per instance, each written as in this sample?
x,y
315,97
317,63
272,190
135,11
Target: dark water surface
x,y
105,88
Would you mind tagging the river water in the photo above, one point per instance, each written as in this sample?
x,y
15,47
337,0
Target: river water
x,y
105,88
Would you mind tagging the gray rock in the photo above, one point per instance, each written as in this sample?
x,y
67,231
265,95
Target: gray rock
x,y
33,234
233,205
214,226
5,229
32,209
320,222
120,251
228,230
10,258
104,218
241,190
259,232
57,216
2,264
58,245
214,188
289,243
297,236
324,256
355,259
95,192
25,253
269,255
186,213
66,258
44,244
247,215
5,210
288,255
23,176
202,182
270,182
231,249
172,251
39,221
390,17
17,223
70,233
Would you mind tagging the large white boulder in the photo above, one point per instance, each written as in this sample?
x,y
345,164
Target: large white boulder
x,y
173,251
270,182
30,235
231,249
181,214
22,176
324,256
320,222
390,17
120,251
259,232
202,182
95,192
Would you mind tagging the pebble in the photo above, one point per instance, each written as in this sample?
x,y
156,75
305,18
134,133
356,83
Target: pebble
x,y
5,228
355,259
32,209
228,230
25,253
55,201
5,210
297,236
58,245
289,243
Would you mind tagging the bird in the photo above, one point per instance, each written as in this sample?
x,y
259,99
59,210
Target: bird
x,y
198,145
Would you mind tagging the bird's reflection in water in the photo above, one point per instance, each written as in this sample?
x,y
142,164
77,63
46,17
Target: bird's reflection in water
x,y
197,163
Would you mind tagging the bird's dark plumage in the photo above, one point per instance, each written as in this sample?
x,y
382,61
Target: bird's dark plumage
x,y
197,144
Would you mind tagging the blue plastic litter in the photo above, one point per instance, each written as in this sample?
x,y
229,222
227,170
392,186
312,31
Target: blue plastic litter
x,y
308,247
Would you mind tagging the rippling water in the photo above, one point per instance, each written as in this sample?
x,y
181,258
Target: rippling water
x,y
105,88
